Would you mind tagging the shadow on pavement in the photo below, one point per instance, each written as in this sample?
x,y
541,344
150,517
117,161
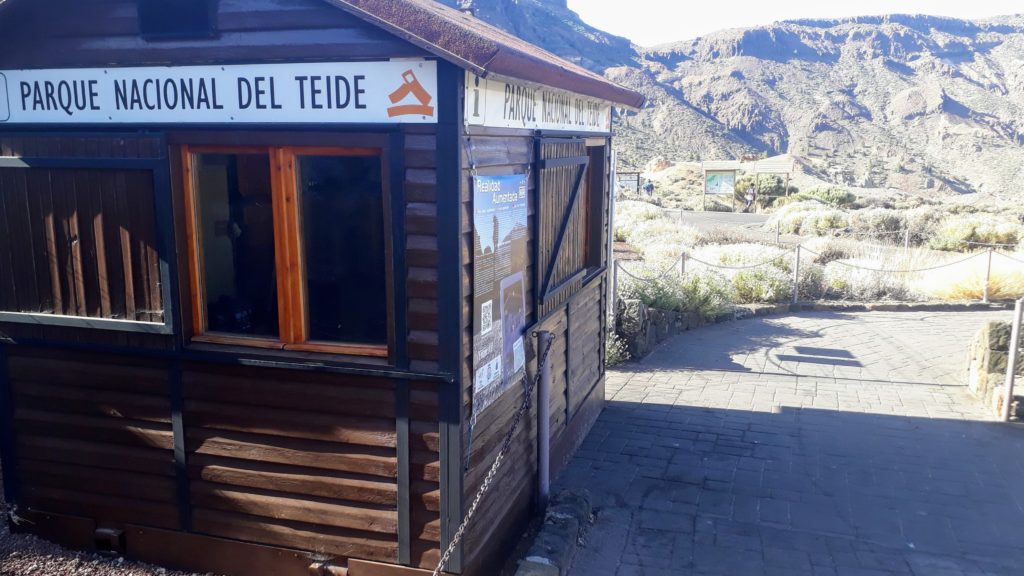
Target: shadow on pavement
x,y
686,490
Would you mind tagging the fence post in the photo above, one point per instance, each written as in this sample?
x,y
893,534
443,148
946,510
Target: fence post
x,y
988,277
1011,365
796,276
906,239
544,341
682,263
778,232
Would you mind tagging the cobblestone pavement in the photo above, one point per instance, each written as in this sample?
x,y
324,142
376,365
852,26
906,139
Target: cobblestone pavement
x,y
825,444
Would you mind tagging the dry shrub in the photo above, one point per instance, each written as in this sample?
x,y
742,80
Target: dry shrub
x,y
966,280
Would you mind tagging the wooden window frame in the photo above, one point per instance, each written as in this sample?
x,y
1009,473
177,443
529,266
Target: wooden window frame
x,y
293,313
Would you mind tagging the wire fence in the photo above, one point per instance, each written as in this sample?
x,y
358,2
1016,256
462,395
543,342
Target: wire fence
x,y
680,265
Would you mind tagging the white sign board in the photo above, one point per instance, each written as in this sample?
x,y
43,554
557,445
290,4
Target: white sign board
x,y
321,93
504,103
720,182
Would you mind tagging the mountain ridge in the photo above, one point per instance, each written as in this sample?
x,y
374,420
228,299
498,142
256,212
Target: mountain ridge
x,y
917,103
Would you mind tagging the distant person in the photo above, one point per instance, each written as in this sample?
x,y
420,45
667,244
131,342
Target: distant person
x,y
750,197
649,188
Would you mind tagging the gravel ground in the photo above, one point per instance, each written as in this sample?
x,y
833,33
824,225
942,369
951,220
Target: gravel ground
x,y
25,555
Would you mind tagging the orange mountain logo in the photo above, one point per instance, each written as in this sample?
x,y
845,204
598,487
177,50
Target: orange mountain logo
x,y
410,86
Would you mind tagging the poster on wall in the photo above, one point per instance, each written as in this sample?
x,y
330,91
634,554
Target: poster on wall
x,y
720,182
499,289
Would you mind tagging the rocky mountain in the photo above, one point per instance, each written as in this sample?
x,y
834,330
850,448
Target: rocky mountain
x,y
909,102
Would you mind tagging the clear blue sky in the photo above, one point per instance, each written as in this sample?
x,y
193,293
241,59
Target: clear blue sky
x,y
649,22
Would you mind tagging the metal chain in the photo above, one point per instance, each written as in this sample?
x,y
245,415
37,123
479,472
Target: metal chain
x,y
489,478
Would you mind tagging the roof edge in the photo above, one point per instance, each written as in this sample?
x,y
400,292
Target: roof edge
x,y
467,47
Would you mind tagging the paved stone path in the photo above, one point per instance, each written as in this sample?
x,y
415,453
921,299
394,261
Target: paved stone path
x,y
821,444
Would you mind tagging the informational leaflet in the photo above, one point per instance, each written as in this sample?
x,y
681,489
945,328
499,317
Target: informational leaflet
x,y
499,291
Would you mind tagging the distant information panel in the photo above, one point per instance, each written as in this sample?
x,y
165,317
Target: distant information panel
x,y
506,103
322,93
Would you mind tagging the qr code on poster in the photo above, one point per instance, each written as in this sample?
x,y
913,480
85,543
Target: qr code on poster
x,y
486,316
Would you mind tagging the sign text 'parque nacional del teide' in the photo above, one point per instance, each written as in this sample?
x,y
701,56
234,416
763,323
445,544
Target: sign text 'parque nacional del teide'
x,y
398,91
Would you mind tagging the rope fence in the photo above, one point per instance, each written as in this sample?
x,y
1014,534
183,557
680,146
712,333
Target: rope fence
x,y
680,264
1008,257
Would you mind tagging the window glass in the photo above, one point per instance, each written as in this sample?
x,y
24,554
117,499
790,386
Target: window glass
x,y
342,212
236,237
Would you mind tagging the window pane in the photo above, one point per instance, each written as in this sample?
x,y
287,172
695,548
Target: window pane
x,y
342,206
236,241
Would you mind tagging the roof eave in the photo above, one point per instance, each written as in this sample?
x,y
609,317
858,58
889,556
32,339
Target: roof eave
x,y
484,56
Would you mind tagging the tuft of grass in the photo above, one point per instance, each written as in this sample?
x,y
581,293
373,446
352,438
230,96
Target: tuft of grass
x,y
966,280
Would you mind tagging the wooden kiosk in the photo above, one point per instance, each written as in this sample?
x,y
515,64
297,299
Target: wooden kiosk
x,y
237,254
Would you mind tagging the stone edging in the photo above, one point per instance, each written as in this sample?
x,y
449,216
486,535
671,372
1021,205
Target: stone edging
x,y
642,328
749,310
555,544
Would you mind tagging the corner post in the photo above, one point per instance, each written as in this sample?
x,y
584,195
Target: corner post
x,y
449,226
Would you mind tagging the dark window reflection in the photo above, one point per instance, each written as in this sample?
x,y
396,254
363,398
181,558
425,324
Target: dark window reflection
x,y
343,243
236,237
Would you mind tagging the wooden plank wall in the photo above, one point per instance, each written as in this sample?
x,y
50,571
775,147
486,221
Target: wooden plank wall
x,y
62,33
577,392
294,459
425,481
94,436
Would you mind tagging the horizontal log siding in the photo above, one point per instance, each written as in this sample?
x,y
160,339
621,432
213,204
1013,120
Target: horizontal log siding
x,y
305,460
94,436
423,310
421,246
425,488
65,33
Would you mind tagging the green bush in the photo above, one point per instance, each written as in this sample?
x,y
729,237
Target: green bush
x,y
708,294
880,223
705,293
861,284
812,281
824,222
646,283
833,196
762,285
962,233
768,188
808,219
